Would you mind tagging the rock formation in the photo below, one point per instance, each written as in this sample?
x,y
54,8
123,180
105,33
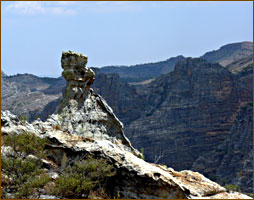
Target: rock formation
x,y
81,111
28,95
85,124
188,114
239,144
123,98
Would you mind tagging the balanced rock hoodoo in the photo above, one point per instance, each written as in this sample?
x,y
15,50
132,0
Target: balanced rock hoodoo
x,y
84,124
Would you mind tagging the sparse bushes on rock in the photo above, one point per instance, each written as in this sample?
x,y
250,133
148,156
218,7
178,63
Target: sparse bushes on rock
x,y
233,188
23,118
23,175
142,155
82,178
26,143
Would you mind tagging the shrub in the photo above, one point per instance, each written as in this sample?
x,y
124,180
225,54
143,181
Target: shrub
x,y
142,151
233,188
22,118
33,186
25,174
72,186
83,177
27,143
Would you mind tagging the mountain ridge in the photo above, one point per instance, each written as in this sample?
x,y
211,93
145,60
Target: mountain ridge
x,y
168,93
84,125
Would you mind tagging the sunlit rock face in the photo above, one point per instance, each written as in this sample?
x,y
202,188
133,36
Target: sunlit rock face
x,y
85,125
81,111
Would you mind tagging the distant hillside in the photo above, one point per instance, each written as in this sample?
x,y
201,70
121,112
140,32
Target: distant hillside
x,y
30,95
240,64
36,83
143,72
229,53
199,116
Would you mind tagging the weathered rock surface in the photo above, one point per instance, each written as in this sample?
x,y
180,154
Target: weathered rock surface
x,y
131,103
28,95
189,114
123,98
80,109
237,161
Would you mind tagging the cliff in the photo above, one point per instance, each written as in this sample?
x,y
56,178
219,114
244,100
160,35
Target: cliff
x,y
189,113
85,125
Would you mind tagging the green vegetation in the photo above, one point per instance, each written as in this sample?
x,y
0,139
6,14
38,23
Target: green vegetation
x,y
142,151
27,143
24,175
82,178
22,118
233,188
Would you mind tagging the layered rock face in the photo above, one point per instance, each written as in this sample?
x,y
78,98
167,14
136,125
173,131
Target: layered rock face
x,y
189,114
123,98
237,161
81,111
246,77
85,124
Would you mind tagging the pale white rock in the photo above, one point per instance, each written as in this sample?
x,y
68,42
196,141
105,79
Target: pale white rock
x,y
85,124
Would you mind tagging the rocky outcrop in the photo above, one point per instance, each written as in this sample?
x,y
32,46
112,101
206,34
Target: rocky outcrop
x,y
123,98
28,95
189,113
237,161
134,177
81,111
85,124
199,113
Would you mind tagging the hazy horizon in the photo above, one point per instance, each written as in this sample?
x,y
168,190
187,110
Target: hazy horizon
x,y
34,34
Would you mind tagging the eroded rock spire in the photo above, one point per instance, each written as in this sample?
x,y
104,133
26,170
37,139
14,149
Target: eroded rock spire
x,y
86,126
81,111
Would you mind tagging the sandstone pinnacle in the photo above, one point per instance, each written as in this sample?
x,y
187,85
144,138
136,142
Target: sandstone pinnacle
x,y
83,112
74,66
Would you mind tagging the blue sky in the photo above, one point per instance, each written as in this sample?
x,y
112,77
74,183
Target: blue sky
x,y
34,34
